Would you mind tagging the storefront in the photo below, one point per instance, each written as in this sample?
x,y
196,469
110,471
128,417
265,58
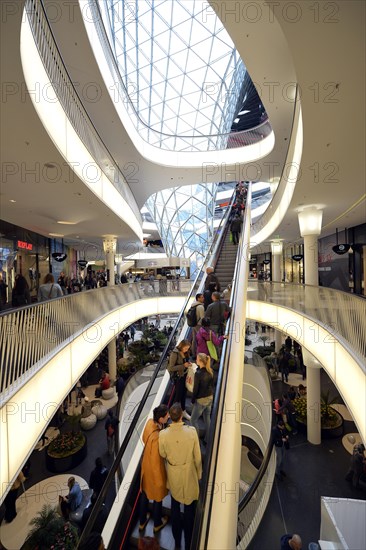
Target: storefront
x,y
32,255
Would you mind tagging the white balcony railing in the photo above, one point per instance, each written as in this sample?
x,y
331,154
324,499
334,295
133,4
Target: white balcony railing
x,y
31,334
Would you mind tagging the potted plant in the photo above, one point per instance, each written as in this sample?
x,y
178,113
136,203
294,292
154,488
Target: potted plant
x,y
68,449
331,420
160,340
263,351
51,531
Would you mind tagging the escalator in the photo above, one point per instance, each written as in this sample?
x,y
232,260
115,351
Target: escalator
x,y
124,522
226,260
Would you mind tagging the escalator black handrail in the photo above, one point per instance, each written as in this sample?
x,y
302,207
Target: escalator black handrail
x,y
267,457
216,422
110,477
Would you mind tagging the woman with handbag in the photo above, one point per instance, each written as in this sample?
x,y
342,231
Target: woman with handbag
x,y
207,341
177,367
202,395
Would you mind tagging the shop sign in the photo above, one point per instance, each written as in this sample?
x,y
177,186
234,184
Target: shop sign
x,y
297,257
59,256
341,248
82,264
266,262
25,245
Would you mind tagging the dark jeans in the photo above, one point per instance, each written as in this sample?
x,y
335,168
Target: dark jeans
x,y
235,235
157,510
188,521
180,392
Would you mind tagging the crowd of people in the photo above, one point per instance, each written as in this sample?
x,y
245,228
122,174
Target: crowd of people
x,y
171,462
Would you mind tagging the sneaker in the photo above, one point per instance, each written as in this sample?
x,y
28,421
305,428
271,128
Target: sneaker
x,y
186,415
143,525
163,524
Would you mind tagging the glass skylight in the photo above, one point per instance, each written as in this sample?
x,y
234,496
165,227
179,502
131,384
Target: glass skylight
x,y
181,69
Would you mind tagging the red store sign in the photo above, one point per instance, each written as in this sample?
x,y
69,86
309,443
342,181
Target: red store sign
x,y
26,246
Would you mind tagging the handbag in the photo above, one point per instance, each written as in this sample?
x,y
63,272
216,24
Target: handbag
x,y
212,348
190,377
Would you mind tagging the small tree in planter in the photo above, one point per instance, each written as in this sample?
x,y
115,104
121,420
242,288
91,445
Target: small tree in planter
x,y
264,340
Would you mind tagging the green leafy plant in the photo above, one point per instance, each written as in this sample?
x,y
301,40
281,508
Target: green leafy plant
x,y
329,416
66,444
51,532
263,351
326,403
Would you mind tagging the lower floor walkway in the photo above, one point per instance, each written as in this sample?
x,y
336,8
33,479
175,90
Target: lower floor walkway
x,y
312,471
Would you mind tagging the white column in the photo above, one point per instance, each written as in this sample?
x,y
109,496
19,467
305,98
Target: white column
x,y
276,248
278,340
310,222
313,398
110,245
311,260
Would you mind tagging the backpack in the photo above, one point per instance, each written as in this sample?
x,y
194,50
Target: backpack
x,y
191,316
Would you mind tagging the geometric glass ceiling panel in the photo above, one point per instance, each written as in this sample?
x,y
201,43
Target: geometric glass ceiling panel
x,y
181,69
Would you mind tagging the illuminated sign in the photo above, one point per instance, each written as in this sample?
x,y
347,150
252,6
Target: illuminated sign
x,y
26,246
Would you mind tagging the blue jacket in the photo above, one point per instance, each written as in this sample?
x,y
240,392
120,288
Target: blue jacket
x,y
75,497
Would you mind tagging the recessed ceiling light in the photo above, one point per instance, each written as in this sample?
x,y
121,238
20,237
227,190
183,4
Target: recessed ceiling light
x,y
55,235
67,223
12,200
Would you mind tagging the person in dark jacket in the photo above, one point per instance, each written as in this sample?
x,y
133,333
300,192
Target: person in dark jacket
x,y
235,228
97,478
217,312
21,295
111,427
280,441
212,278
202,395
207,295
177,367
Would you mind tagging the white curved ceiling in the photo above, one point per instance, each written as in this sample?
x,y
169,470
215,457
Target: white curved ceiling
x,y
326,58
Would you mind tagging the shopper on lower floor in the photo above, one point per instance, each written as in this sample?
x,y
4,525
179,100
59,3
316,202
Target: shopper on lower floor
x,y
291,542
111,426
179,446
97,478
11,497
281,441
153,474
73,500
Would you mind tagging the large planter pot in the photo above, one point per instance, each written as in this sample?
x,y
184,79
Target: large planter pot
x,y
326,433
62,464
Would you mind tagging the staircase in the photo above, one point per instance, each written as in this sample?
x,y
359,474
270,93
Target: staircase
x,y
226,263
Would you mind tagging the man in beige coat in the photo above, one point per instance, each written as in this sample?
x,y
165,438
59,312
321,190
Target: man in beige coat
x,y
179,445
